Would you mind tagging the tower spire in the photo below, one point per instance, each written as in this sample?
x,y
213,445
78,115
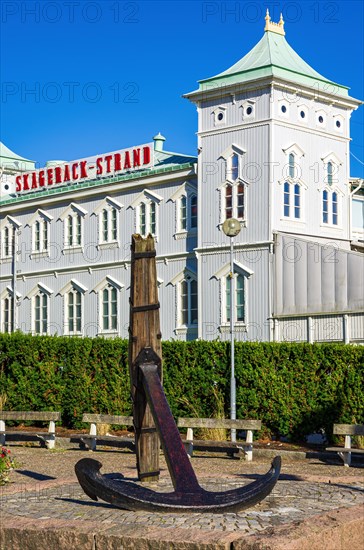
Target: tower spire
x,y
278,28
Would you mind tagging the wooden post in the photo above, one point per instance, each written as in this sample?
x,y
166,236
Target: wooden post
x,y
144,331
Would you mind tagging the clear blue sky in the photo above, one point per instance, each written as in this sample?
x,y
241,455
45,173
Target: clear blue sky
x,y
110,74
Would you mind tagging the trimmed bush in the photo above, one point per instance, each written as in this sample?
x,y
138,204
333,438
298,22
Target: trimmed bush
x,y
295,389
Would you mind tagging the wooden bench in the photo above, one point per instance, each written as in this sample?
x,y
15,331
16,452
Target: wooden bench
x,y
241,449
348,430
90,440
46,439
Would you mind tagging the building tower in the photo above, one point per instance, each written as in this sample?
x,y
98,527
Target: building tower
x,y
273,141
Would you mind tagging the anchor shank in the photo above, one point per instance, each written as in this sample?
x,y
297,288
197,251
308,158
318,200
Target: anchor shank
x,y
179,466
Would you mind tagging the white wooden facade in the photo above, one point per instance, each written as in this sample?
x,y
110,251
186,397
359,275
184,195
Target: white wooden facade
x,y
273,152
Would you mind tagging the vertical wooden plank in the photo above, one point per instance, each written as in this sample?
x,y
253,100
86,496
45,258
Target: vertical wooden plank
x,y
144,331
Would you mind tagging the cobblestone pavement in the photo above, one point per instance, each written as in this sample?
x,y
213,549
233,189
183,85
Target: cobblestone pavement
x,y
45,488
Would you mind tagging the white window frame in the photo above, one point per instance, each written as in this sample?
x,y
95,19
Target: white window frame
x,y
322,113
233,180
73,287
8,225
305,109
186,192
73,213
8,295
216,112
108,205
235,206
330,213
341,119
244,107
291,178
285,103
145,199
221,275
188,276
43,219
40,290
108,283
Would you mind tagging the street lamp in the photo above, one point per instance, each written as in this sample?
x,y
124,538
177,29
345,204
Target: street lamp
x,y
231,228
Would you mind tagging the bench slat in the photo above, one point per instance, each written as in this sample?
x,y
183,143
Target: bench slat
x,y
107,419
345,450
219,423
348,429
30,415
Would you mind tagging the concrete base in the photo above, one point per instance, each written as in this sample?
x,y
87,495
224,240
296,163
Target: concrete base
x,y
331,531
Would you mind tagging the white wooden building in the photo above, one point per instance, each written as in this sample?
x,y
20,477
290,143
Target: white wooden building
x,y
273,152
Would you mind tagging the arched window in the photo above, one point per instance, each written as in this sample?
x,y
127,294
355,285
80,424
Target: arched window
x,y
74,311
109,308
329,173
188,300
330,207
8,314
109,227
229,201
334,209
183,212
239,302
325,206
234,166
193,211
291,166
41,313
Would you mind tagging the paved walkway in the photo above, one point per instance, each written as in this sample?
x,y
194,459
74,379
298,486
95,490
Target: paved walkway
x,y
314,505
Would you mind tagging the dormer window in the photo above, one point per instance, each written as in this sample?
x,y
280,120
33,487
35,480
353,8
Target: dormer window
x,y
219,116
321,119
339,123
283,108
248,109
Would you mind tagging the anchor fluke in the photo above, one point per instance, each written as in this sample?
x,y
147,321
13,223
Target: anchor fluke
x,y
128,495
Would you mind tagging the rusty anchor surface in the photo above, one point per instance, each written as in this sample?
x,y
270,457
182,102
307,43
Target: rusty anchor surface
x,y
188,495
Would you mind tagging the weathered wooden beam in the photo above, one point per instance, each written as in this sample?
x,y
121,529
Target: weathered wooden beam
x,y
348,429
144,332
108,419
219,423
30,415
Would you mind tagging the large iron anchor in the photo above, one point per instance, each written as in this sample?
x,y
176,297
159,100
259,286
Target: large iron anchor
x,y
188,495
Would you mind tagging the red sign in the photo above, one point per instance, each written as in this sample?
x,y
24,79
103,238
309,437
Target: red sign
x,y
96,167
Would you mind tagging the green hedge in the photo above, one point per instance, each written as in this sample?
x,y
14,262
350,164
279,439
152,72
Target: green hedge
x,y
295,389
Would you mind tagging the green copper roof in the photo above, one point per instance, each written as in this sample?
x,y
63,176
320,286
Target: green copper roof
x,y
6,153
164,162
273,56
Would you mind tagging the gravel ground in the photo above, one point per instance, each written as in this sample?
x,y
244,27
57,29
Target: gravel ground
x,y
38,464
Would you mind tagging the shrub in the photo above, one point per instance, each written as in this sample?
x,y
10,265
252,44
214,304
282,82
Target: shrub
x,y
294,389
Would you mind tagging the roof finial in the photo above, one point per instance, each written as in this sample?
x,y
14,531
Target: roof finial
x,y
278,28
